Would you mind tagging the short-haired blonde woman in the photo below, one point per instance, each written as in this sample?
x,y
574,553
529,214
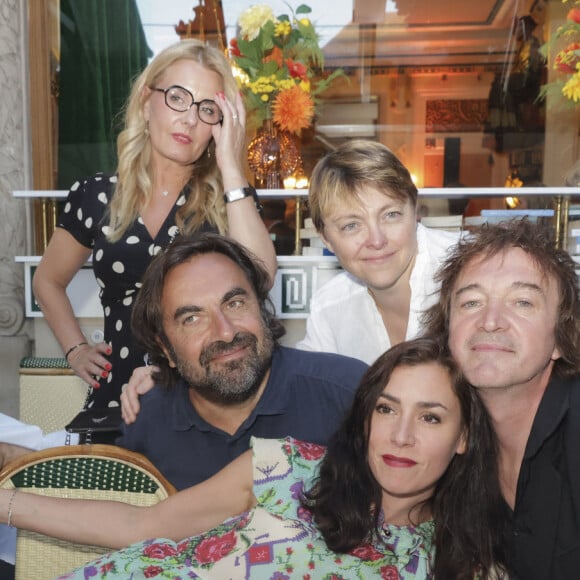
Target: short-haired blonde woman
x,y
363,203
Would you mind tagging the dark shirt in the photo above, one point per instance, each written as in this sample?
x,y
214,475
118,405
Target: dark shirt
x,y
546,520
306,397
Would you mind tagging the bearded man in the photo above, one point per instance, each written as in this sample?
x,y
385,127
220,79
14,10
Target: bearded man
x,y
204,316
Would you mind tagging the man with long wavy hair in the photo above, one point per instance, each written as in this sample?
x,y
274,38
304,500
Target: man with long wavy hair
x,y
509,306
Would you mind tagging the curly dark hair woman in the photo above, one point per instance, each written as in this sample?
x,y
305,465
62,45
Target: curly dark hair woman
x,y
465,504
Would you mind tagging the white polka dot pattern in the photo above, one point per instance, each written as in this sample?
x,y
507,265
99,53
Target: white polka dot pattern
x,y
118,267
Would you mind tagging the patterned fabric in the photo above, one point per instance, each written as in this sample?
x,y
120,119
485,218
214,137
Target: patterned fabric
x,y
36,362
118,269
275,540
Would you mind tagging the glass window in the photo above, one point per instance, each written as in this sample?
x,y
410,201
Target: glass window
x,y
450,86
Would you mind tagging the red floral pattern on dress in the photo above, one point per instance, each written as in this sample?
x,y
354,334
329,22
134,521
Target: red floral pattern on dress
x,y
366,552
389,573
288,547
310,451
214,548
159,551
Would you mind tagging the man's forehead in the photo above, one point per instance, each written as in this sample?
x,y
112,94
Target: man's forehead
x,y
512,259
206,274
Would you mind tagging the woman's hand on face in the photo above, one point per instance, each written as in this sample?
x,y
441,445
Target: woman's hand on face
x,y
230,136
89,362
140,383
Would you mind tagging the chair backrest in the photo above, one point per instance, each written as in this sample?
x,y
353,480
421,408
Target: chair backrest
x,y
83,472
50,393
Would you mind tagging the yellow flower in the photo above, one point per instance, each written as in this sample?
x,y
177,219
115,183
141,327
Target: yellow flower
x,y
252,20
282,28
278,54
571,89
566,60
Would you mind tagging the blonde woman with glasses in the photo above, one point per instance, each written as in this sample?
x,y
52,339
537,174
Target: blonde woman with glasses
x,y
180,170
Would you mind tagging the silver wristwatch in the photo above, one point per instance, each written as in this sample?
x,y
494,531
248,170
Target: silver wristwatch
x,y
239,193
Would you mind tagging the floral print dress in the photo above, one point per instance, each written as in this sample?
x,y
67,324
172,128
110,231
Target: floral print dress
x,y
276,540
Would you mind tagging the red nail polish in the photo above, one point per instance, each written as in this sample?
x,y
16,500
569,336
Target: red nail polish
x,y
109,351
96,386
104,374
108,366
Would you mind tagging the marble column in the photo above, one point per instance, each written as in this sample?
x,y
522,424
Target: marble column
x,y
14,161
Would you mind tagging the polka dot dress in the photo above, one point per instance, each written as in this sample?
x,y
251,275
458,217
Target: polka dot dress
x,y
118,269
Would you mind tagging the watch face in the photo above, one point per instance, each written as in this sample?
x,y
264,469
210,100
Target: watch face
x,y
237,194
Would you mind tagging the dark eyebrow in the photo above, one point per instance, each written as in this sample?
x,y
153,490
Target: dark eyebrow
x,y
421,404
233,293
466,289
192,309
186,309
530,286
519,285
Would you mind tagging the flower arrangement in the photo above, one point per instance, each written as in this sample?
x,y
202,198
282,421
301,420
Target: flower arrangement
x,y
567,60
280,66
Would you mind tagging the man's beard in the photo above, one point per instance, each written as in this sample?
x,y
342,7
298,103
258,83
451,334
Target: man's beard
x,y
231,382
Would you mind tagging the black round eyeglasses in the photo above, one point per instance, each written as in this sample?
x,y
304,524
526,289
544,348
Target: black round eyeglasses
x,y
179,99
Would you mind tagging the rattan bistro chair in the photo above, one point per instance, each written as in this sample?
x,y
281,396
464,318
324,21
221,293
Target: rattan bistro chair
x,y
84,472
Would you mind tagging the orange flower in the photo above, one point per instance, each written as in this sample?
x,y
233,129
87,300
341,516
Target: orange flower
x,y
293,110
276,56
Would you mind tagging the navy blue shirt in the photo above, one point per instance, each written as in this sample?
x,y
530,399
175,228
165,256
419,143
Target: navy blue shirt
x,y
306,397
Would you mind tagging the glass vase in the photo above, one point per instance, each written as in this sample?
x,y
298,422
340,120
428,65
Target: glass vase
x,y
273,155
